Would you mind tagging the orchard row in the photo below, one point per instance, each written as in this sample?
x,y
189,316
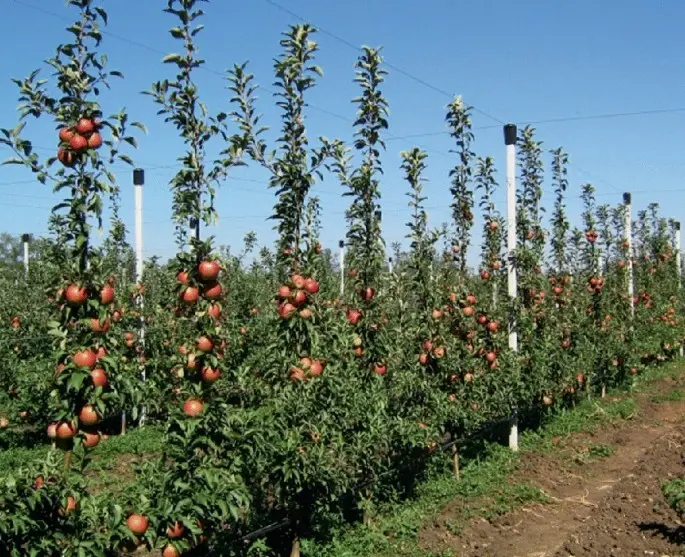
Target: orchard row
x,y
283,397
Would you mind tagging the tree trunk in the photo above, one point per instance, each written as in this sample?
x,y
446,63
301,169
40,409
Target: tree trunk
x,y
67,459
295,551
367,513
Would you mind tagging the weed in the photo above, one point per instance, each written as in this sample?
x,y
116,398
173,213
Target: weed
x,y
671,396
592,453
674,492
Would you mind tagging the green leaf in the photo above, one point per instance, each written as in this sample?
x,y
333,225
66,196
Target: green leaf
x,y
13,160
172,59
76,380
20,127
102,13
140,126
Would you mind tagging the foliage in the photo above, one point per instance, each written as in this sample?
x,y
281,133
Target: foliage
x,y
281,399
459,121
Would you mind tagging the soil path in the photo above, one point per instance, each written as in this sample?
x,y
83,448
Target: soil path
x,y
603,491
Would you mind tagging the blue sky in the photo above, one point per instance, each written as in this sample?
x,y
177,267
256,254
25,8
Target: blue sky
x,y
516,61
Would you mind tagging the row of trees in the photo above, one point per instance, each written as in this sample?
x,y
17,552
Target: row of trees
x,y
281,398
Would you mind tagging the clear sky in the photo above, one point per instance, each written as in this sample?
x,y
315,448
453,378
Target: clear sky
x,y
532,60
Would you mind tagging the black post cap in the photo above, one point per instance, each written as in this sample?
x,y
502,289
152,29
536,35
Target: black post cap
x,y
193,222
627,198
677,225
26,238
379,215
510,134
138,177
341,244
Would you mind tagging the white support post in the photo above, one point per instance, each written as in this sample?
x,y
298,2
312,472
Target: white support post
x,y
390,264
627,201
193,228
26,238
341,244
677,254
138,182
510,133
679,269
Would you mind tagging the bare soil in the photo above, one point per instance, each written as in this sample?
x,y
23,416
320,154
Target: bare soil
x,y
603,493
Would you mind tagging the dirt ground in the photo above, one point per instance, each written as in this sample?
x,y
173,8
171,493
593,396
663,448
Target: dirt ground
x,y
602,503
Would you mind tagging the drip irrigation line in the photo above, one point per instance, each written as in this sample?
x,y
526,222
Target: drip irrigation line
x,y
265,530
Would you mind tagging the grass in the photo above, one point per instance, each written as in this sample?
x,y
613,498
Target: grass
x,y
17,457
671,396
111,467
674,492
588,417
592,453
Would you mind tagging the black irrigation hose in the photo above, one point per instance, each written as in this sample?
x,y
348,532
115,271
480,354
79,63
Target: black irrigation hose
x,y
265,530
